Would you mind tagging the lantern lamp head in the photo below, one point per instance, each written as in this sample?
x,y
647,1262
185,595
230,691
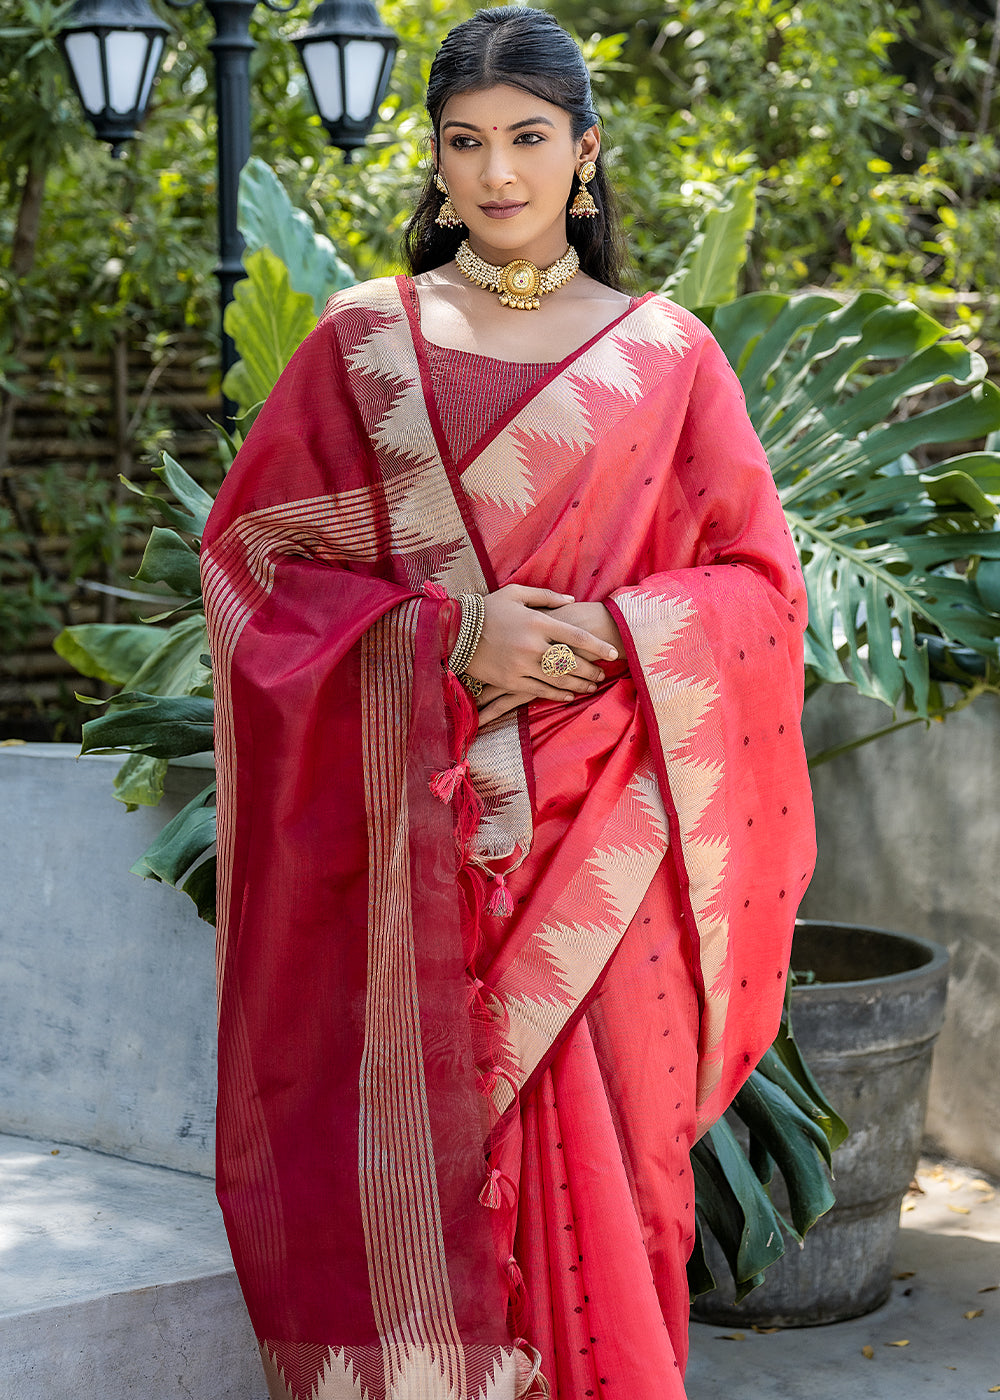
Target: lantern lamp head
x,y
112,49
348,54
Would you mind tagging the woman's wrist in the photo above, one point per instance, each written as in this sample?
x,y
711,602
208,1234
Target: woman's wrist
x,y
469,632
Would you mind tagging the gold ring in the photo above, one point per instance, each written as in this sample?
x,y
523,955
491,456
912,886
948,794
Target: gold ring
x,y
558,660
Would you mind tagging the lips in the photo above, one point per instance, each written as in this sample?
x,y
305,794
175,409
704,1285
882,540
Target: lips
x,y
502,211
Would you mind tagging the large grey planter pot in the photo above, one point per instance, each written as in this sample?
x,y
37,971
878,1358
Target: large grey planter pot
x,y
867,1029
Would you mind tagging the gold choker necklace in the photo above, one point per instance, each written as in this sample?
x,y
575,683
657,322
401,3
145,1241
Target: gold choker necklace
x,y
520,283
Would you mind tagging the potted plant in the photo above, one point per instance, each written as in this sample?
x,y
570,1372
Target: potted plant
x,y
901,562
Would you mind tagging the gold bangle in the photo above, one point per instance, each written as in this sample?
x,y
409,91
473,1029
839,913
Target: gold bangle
x,y
469,632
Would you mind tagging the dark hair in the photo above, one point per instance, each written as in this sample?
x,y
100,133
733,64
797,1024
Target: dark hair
x,y
522,48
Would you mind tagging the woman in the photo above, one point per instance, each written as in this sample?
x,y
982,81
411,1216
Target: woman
x,y
513,812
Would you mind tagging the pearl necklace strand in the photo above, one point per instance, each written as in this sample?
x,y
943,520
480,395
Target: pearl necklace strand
x,y
520,284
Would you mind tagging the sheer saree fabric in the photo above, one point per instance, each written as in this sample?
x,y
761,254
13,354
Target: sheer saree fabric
x,y
452,1143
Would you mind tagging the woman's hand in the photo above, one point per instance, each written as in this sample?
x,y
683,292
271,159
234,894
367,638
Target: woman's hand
x,y
520,624
596,619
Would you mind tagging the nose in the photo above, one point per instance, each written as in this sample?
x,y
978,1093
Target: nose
x,y
496,172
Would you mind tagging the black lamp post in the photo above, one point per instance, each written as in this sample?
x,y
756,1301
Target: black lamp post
x,y
113,49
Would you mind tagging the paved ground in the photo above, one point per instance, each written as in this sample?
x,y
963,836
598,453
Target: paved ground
x,y
938,1337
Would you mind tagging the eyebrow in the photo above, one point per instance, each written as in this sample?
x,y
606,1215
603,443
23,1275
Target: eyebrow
x,y
515,126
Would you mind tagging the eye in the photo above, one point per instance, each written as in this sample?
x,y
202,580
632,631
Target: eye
x,y
462,143
529,138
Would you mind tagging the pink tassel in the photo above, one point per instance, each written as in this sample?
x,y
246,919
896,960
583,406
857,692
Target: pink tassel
x,y
434,590
443,784
501,903
517,1299
490,1196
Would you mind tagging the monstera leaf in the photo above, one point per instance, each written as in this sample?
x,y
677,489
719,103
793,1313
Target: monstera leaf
x,y
838,394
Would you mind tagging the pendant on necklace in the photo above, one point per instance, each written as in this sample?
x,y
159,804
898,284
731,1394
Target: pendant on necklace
x,y
520,284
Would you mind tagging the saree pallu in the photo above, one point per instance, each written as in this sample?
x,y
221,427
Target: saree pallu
x,y
478,992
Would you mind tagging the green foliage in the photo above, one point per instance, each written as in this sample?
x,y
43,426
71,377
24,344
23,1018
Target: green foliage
x,y
269,219
708,272
161,726
888,551
269,321
788,1125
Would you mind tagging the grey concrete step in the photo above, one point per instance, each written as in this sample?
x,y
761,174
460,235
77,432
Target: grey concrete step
x,y
115,1282
107,982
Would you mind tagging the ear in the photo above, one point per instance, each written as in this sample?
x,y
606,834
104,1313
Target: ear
x,y
589,145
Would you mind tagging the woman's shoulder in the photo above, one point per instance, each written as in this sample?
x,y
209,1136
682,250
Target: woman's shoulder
x,y
670,322
378,297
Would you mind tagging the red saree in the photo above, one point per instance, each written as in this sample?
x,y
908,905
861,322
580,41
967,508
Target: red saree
x,y
452,1143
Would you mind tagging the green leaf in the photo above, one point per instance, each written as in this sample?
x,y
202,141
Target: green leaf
x,y
761,1242
794,1140
699,1276
987,581
824,381
785,1048
106,651
182,842
162,726
167,559
268,322
200,886
720,1208
195,503
709,268
268,219
176,666
139,781
194,499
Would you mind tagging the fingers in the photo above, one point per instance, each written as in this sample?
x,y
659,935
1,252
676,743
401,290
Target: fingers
x,y
537,597
581,641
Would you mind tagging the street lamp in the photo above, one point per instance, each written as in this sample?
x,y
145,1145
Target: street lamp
x,y
113,49
347,53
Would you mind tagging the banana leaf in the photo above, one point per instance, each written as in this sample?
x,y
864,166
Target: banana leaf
x,y
709,269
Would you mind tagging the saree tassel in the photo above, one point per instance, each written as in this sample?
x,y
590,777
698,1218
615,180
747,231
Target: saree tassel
x,y
443,784
461,711
491,1196
531,1384
517,1298
501,903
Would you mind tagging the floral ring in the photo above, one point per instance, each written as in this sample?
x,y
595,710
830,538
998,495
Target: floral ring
x,y
558,660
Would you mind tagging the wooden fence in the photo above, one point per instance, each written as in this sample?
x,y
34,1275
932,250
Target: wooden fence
x,y
79,418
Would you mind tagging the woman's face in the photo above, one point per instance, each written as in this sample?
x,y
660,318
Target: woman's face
x,y
508,159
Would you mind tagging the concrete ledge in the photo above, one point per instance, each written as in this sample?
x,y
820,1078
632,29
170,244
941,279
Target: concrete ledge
x,y
107,982
116,1281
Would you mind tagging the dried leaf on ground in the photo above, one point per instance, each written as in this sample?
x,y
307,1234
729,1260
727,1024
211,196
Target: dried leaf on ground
x,y
732,1337
869,1352
959,1210
973,1312
906,1273
764,1331
990,1288
897,1344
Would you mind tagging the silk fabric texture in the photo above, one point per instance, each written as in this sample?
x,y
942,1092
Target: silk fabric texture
x,y
453,1144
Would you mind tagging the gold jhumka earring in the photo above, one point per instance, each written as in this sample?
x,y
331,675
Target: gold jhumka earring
x,y
448,216
583,207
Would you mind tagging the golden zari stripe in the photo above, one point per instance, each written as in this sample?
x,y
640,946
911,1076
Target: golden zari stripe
x,y
400,1209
